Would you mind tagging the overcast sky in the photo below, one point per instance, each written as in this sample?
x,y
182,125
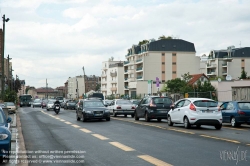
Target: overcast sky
x,y
54,39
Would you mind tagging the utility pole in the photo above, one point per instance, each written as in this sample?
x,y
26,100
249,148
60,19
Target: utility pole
x,y
46,96
2,58
8,70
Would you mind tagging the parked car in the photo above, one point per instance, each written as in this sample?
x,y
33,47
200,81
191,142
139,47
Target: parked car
x,y
153,107
236,112
195,111
44,103
92,109
50,105
64,102
11,107
77,103
121,107
135,102
107,102
5,136
71,104
37,103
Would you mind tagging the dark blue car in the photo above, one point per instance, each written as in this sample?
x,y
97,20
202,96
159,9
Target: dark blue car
x,y
5,136
236,112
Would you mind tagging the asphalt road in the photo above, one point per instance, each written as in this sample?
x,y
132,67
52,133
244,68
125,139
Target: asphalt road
x,y
62,140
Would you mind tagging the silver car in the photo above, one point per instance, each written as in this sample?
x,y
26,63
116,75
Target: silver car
x,y
121,107
37,103
50,105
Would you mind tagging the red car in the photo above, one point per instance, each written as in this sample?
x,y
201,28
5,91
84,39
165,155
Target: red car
x,y
44,103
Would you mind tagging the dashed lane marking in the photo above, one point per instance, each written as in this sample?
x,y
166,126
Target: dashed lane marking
x,y
62,120
223,139
248,144
76,126
182,131
67,122
85,130
234,128
121,146
100,136
154,161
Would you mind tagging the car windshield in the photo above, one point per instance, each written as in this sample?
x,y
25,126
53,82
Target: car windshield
x,y
123,102
51,102
37,101
93,104
72,102
136,101
205,103
10,104
162,100
244,105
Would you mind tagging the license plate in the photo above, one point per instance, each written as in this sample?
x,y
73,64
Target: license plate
x,y
163,111
207,111
57,107
98,114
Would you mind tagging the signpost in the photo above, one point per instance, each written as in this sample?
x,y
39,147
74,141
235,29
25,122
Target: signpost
x,y
149,87
157,84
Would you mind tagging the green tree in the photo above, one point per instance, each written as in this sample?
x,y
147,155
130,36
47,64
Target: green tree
x,y
186,77
10,96
17,85
243,74
175,85
98,86
164,37
143,42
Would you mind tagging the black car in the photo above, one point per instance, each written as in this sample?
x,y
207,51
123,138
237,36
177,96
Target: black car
x,y
153,107
92,109
70,105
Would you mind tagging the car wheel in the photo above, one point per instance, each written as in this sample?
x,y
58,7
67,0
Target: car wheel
x,y
125,115
132,115
147,119
186,123
170,123
114,114
108,119
83,119
136,117
159,119
1,159
233,122
77,118
218,127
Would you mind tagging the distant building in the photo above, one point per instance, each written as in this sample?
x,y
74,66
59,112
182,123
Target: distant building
x,y
23,88
61,90
76,87
91,82
66,89
198,77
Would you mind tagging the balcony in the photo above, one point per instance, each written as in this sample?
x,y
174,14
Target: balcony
x,y
224,64
138,61
131,71
227,58
211,58
125,87
113,89
224,73
138,69
131,79
104,89
104,75
113,81
125,71
125,79
211,65
139,77
104,82
113,74
126,62
211,73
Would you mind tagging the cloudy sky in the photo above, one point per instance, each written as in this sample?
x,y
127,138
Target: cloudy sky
x,y
54,39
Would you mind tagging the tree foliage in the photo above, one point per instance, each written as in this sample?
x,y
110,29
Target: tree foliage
x,y
143,42
10,96
186,77
243,74
164,37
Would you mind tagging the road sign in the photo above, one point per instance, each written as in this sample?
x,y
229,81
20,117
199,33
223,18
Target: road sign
x,y
157,82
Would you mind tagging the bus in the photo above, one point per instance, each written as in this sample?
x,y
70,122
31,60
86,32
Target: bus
x,y
25,100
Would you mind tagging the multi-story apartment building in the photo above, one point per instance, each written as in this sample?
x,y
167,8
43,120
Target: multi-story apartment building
x,y
91,82
76,87
166,59
229,62
112,80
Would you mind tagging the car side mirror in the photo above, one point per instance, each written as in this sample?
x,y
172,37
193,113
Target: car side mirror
x,y
9,119
172,106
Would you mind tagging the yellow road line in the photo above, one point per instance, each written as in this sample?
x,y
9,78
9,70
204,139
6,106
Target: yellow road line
x,y
154,161
67,122
100,136
248,144
121,146
223,139
234,128
76,126
182,131
85,130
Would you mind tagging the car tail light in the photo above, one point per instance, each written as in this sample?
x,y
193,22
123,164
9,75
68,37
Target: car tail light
x,y
118,107
192,107
151,104
133,107
241,112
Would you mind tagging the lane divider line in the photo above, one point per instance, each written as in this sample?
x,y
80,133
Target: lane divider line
x,y
62,120
223,139
234,128
76,126
248,144
154,161
121,146
85,130
67,122
100,136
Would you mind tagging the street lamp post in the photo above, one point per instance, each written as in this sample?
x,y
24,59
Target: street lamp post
x,y
2,64
8,70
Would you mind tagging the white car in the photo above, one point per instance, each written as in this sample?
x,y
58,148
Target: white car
x,y
195,111
121,107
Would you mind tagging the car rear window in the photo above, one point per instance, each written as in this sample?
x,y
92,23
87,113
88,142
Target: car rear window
x,y
10,104
162,100
123,102
205,103
244,105
93,104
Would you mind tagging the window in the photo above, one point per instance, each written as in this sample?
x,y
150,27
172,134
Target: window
x,y
173,63
180,104
174,72
163,54
187,102
163,63
163,72
173,54
163,81
230,106
242,68
242,60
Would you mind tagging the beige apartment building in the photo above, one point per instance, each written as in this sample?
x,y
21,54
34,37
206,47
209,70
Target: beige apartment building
x,y
112,80
166,59
228,63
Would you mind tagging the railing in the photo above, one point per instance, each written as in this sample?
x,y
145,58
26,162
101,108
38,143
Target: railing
x,y
104,75
113,88
126,79
224,64
139,68
126,62
138,60
139,77
211,73
211,65
125,71
126,87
